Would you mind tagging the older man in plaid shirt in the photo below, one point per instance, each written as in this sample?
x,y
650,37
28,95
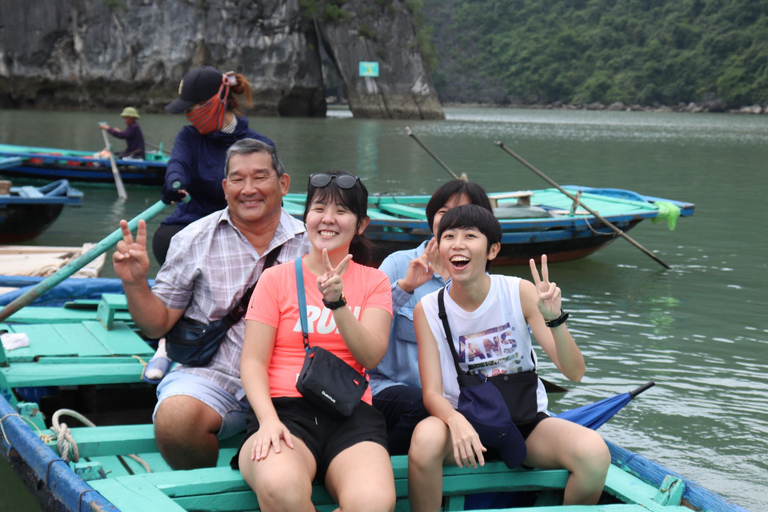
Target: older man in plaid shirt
x,y
210,264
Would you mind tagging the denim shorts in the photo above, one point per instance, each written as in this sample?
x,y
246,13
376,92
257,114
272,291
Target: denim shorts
x,y
231,410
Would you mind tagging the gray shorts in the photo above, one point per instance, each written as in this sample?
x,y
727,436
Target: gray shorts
x,y
231,410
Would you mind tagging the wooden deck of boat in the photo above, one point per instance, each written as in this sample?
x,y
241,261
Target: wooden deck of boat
x,y
130,488
83,347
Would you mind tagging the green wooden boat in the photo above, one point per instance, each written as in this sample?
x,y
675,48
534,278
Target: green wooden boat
x,y
91,350
533,222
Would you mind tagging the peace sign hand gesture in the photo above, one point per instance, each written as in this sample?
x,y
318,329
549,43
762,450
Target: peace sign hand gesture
x,y
130,260
549,302
419,269
330,284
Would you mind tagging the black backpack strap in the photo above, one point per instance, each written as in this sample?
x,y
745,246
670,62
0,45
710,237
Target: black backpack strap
x,y
239,309
447,328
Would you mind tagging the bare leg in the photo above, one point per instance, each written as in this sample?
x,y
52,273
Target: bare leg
x,y
556,443
361,478
185,432
431,447
282,481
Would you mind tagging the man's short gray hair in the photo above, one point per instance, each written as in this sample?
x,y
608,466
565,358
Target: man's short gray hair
x,y
248,146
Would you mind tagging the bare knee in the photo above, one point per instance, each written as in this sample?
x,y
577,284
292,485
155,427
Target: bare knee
x,y
373,498
591,457
281,488
185,432
428,444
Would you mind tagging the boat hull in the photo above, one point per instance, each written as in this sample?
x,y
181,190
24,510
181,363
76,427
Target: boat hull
x,y
27,211
52,164
21,222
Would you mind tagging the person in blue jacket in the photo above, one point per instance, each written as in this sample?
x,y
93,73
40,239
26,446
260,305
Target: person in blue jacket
x,y
196,168
413,273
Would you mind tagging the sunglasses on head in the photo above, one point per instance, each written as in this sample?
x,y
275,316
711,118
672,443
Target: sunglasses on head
x,y
344,181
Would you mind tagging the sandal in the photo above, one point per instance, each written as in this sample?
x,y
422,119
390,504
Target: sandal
x,y
157,367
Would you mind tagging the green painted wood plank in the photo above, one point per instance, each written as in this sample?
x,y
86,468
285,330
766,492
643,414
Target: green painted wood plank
x,y
404,210
81,340
43,341
113,440
629,488
47,315
137,497
89,360
120,341
34,374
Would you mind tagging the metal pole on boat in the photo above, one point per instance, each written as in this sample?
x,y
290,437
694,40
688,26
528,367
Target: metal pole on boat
x,y
79,262
414,137
578,200
115,173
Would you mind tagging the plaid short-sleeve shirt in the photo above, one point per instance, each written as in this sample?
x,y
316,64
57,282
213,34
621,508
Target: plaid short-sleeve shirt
x,y
209,266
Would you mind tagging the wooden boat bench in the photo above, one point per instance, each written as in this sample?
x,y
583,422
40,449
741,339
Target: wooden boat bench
x,y
223,489
96,351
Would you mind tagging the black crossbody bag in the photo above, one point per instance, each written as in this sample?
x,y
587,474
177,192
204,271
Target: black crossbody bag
x,y
326,380
194,343
517,389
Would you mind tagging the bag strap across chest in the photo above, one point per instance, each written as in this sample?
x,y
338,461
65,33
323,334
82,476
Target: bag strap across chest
x,y
449,336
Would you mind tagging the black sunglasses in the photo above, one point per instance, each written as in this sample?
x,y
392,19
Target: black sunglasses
x,y
344,181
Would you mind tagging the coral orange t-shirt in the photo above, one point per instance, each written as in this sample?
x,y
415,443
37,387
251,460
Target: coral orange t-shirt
x,y
275,303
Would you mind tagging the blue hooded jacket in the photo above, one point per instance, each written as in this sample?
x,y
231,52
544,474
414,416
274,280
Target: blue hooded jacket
x,y
197,162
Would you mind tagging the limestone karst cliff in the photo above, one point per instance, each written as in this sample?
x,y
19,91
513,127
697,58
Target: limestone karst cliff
x,y
109,53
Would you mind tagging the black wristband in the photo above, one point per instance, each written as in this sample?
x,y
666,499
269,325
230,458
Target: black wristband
x,y
336,305
559,320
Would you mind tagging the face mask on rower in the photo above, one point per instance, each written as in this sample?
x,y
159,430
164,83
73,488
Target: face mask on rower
x,y
209,117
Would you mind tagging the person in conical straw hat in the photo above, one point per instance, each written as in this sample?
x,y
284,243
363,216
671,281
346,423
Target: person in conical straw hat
x,y
132,134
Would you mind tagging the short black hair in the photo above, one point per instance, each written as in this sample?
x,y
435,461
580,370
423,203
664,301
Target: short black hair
x,y
474,192
472,216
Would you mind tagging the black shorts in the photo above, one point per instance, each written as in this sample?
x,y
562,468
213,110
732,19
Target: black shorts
x,y
326,435
526,428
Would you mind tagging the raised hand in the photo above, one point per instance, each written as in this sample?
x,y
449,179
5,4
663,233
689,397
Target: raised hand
x,y
130,260
330,284
549,302
419,269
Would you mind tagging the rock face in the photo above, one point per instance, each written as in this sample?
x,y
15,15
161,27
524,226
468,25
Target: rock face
x,y
112,53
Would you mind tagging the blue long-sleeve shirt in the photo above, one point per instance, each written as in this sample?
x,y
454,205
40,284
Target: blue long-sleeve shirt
x,y
400,365
197,163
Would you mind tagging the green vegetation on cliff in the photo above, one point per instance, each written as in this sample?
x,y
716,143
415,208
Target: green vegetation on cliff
x,y
584,51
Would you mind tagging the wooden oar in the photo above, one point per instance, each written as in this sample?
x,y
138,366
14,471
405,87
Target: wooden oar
x,y
578,200
115,173
414,137
78,263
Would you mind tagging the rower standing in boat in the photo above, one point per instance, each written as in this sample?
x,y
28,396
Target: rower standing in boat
x,y
132,134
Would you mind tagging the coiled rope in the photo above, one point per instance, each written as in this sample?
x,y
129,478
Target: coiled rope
x,y
67,446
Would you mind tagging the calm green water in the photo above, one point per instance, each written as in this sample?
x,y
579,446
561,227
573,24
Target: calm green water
x,y
695,329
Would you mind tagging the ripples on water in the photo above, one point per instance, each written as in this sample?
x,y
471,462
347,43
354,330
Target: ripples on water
x,y
698,329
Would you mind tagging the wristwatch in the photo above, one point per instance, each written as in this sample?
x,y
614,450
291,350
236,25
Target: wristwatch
x,y
336,305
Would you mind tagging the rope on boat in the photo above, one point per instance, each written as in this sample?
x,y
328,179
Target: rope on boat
x,y
46,438
66,444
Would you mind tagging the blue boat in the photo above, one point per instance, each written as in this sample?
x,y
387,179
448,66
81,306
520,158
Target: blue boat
x,y
27,211
533,222
117,467
51,163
